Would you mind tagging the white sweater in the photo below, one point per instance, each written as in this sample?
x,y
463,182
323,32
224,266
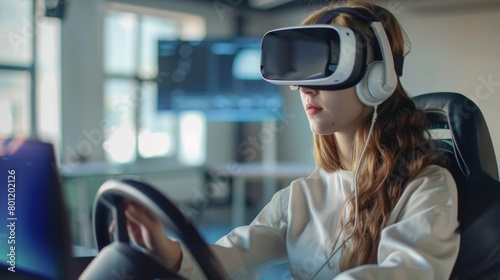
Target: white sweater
x,y
418,242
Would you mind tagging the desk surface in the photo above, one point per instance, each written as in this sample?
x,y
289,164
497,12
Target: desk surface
x,y
232,169
261,170
108,169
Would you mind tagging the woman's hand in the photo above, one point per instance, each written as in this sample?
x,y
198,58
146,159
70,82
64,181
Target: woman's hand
x,y
146,230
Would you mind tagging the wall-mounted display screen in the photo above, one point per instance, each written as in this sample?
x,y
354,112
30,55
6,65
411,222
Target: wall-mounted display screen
x,y
218,77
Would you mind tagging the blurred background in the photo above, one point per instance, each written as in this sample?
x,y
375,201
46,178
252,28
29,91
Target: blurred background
x,y
169,92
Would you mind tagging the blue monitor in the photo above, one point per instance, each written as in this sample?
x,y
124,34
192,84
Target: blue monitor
x,y
34,236
220,77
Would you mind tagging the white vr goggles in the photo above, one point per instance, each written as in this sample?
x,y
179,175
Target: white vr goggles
x,y
326,56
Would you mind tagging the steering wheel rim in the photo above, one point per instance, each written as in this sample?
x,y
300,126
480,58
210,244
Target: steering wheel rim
x,y
110,197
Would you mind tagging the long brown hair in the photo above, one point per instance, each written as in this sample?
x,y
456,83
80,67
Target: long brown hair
x,y
398,150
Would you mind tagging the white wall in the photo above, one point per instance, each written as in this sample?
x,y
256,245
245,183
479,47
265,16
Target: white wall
x,y
82,81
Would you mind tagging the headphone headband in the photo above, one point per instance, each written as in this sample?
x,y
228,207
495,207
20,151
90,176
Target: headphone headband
x,y
366,17
358,13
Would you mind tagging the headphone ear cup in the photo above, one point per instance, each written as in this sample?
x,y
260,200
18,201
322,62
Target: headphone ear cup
x,y
370,90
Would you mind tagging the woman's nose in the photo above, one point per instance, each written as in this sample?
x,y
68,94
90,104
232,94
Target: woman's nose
x,y
308,91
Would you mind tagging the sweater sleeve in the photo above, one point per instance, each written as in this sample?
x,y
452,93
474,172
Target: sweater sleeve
x,y
248,250
420,242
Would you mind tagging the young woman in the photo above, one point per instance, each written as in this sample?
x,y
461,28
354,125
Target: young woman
x,y
388,212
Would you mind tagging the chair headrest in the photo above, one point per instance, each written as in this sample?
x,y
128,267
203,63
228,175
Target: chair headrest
x,y
471,138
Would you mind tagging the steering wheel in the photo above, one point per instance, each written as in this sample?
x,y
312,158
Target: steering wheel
x,y
121,260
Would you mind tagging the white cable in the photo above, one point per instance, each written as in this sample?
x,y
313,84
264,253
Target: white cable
x,y
355,179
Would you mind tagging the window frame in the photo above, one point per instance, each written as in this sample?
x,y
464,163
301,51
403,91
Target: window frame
x,y
31,70
182,19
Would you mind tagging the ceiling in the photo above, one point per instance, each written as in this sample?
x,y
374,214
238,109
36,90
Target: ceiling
x,y
266,5
425,6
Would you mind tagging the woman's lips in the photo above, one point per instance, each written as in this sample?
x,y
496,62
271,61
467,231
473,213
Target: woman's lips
x,y
313,109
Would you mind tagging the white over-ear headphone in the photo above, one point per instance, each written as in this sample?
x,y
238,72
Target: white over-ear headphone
x,y
380,79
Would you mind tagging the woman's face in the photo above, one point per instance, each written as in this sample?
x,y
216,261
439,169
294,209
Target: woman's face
x,y
331,112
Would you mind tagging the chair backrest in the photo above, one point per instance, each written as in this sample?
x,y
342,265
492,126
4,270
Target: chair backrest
x,y
474,167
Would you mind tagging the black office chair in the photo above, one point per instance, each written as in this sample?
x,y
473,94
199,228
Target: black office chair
x,y
472,162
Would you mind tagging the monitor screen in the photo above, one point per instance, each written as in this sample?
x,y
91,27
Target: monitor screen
x,y
34,237
218,77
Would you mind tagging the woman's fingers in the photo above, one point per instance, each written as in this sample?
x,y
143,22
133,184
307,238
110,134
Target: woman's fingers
x,y
141,216
111,228
146,230
135,233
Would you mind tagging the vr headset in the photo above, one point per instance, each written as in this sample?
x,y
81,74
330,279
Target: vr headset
x,y
332,57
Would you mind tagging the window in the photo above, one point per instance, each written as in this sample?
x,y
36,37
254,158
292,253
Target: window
x,y
16,67
131,33
29,71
